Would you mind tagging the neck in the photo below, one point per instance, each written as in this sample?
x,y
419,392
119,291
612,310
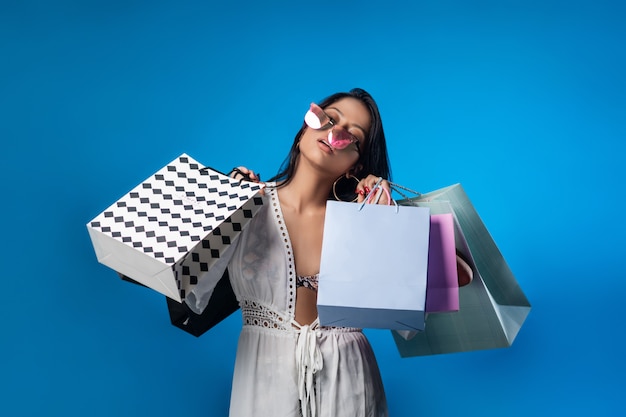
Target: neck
x,y
307,190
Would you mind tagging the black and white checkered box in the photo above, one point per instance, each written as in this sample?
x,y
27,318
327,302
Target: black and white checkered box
x,y
170,229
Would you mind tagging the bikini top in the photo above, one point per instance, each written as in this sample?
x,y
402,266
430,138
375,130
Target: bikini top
x,y
309,281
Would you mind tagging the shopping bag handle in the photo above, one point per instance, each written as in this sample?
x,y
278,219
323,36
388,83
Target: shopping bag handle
x,y
206,168
397,187
236,170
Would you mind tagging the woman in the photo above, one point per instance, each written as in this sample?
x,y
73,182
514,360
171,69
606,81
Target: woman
x,y
287,364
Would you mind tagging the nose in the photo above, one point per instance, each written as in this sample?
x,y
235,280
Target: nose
x,y
339,133
340,139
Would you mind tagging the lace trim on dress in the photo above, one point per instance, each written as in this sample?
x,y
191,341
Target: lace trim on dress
x,y
260,315
282,229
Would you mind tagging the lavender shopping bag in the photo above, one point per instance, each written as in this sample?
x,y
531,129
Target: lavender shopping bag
x,y
442,291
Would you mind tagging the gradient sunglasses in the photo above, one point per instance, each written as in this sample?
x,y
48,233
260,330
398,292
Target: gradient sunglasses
x,y
316,118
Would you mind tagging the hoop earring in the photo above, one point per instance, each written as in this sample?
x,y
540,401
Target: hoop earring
x,y
347,176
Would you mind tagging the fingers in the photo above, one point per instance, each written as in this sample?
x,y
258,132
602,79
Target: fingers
x,y
242,173
383,193
366,185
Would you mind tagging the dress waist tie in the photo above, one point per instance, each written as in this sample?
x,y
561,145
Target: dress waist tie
x,y
309,361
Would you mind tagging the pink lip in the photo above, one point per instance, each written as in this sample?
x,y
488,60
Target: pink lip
x,y
325,146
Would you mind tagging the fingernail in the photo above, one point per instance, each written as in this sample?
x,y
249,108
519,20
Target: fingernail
x,y
367,190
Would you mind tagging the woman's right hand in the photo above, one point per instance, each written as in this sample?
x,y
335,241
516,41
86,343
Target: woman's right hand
x,y
243,173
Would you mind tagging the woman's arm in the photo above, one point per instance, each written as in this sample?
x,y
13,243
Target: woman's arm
x,y
464,270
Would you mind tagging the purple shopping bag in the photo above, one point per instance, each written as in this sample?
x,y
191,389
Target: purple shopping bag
x,y
442,290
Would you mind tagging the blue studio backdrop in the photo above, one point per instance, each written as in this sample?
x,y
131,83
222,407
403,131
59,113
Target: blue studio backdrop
x,y
523,102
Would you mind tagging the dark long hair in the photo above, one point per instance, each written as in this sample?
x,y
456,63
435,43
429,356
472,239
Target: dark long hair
x,y
373,158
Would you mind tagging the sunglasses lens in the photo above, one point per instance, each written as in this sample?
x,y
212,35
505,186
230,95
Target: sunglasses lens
x,y
340,139
315,118
312,120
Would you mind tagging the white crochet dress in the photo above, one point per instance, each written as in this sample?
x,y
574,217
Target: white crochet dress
x,y
283,369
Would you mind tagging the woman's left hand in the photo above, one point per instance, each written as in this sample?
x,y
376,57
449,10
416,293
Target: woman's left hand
x,y
365,186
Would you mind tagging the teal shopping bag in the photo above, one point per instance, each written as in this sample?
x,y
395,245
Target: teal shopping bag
x,y
492,308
